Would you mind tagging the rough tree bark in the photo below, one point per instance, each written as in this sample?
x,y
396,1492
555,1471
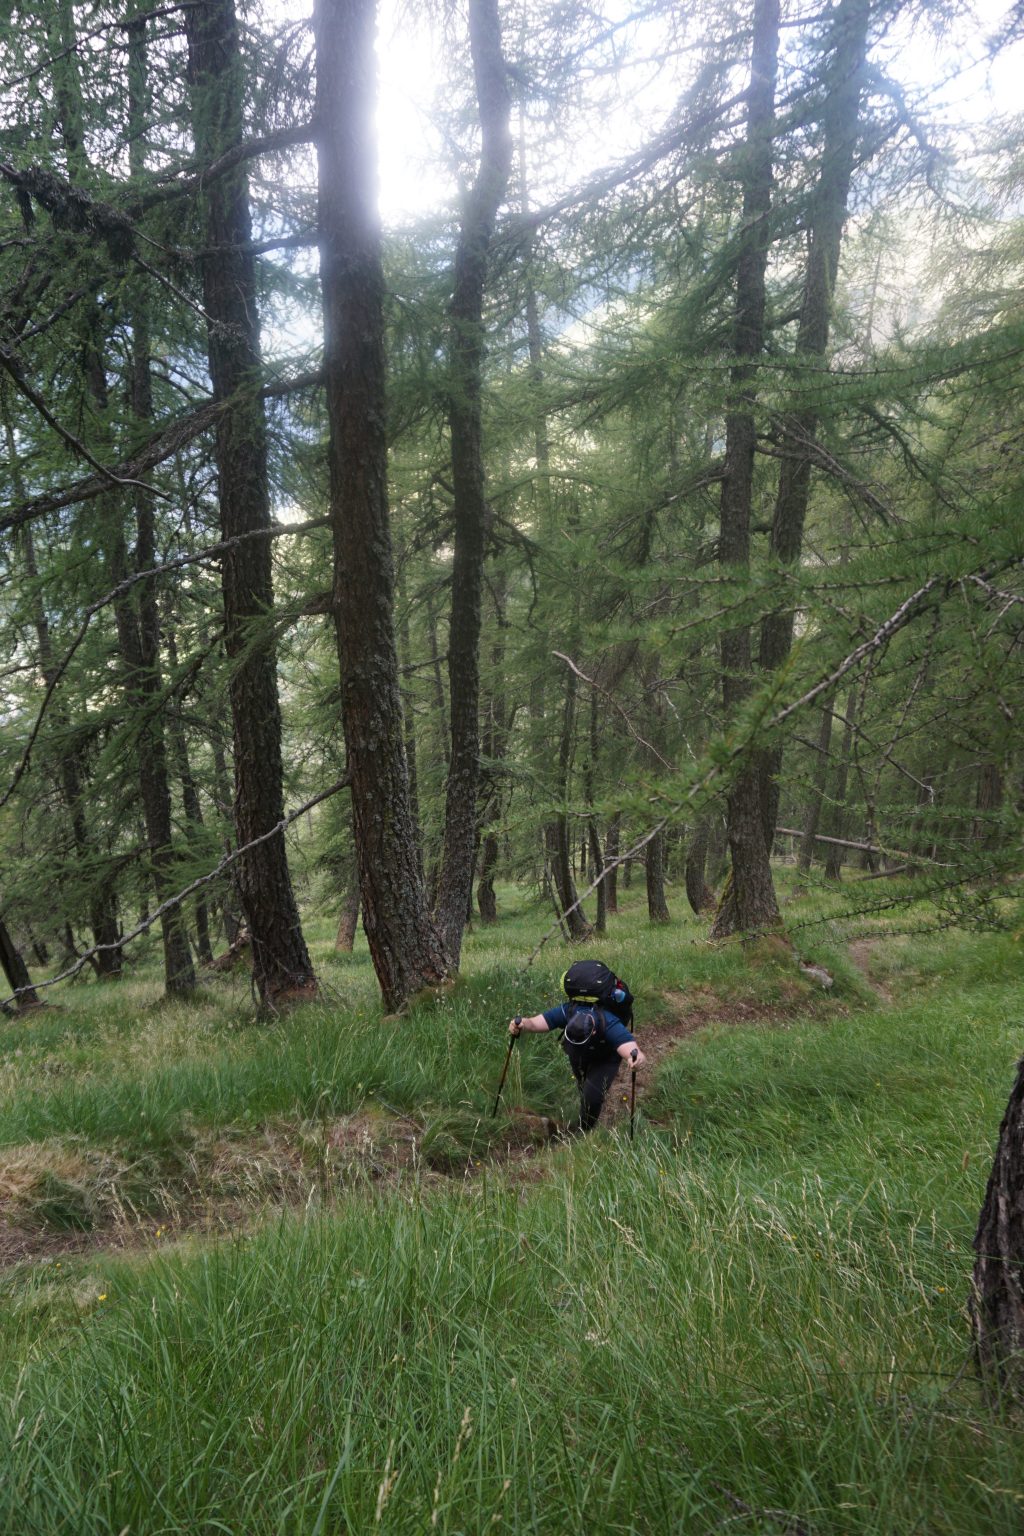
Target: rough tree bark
x,y
997,1293
840,122
748,902
407,950
281,963
466,356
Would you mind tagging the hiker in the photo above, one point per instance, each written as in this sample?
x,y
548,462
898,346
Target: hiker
x,y
595,1037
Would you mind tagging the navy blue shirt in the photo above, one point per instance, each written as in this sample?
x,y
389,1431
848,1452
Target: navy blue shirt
x,y
615,1032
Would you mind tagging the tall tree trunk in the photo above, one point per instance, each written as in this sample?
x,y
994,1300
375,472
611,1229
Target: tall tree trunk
x,y
230,914
575,920
181,765
466,357
593,837
989,800
840,120
657,906
997,1292
136,614
409,717
407,950
819,781
836,820
495,746
16,971
748,903
281,963
103,920
698,893
611,851
348,920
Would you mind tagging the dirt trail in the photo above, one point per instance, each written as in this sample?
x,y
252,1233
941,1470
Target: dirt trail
x,y
245,1180
862,952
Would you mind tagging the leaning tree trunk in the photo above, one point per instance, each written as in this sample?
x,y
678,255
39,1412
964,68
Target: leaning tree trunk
x,y
407,950
840,122
16,971
281,963
748,903
997,1292
466,358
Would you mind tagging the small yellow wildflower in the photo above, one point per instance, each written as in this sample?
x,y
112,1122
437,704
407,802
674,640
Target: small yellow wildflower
x,y
102,1296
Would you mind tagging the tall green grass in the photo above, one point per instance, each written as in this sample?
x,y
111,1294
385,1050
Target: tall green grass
x,y
750,1320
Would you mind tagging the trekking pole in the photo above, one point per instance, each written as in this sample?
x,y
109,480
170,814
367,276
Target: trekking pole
x,y
508,1057
632,1096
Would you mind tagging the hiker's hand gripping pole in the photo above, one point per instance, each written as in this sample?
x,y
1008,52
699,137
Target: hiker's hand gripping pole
x,y
632,1091
513,1035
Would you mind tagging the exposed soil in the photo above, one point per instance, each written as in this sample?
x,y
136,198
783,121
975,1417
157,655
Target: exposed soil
x,y
862,952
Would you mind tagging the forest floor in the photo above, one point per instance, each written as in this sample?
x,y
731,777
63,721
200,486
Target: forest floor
x,y
246,1176
230,1249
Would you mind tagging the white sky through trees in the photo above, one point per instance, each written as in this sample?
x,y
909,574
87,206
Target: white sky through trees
x,y
947,71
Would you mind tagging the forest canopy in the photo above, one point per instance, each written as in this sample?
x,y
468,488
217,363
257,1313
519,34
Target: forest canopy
x,y
644,492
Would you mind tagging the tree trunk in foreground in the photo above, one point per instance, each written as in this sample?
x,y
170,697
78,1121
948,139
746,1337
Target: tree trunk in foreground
x,y
748,902
281,964
466,358
407,950
997,1294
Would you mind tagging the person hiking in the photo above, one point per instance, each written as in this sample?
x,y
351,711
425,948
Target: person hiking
x,y
594,1029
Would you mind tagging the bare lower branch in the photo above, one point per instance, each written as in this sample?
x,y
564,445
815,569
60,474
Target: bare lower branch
x,y
163,445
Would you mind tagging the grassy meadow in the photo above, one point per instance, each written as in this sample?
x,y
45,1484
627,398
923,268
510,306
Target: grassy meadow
x,y
289,1279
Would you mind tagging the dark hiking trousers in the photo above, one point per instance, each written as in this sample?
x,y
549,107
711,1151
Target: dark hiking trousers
x,y
594,1071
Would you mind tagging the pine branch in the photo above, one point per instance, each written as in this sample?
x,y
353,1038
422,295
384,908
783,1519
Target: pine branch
x,y
275,531
161,446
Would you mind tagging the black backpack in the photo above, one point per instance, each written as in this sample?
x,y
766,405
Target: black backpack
x,y
590,981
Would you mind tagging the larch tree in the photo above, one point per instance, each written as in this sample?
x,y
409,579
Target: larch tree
x,y
407,950
280,959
